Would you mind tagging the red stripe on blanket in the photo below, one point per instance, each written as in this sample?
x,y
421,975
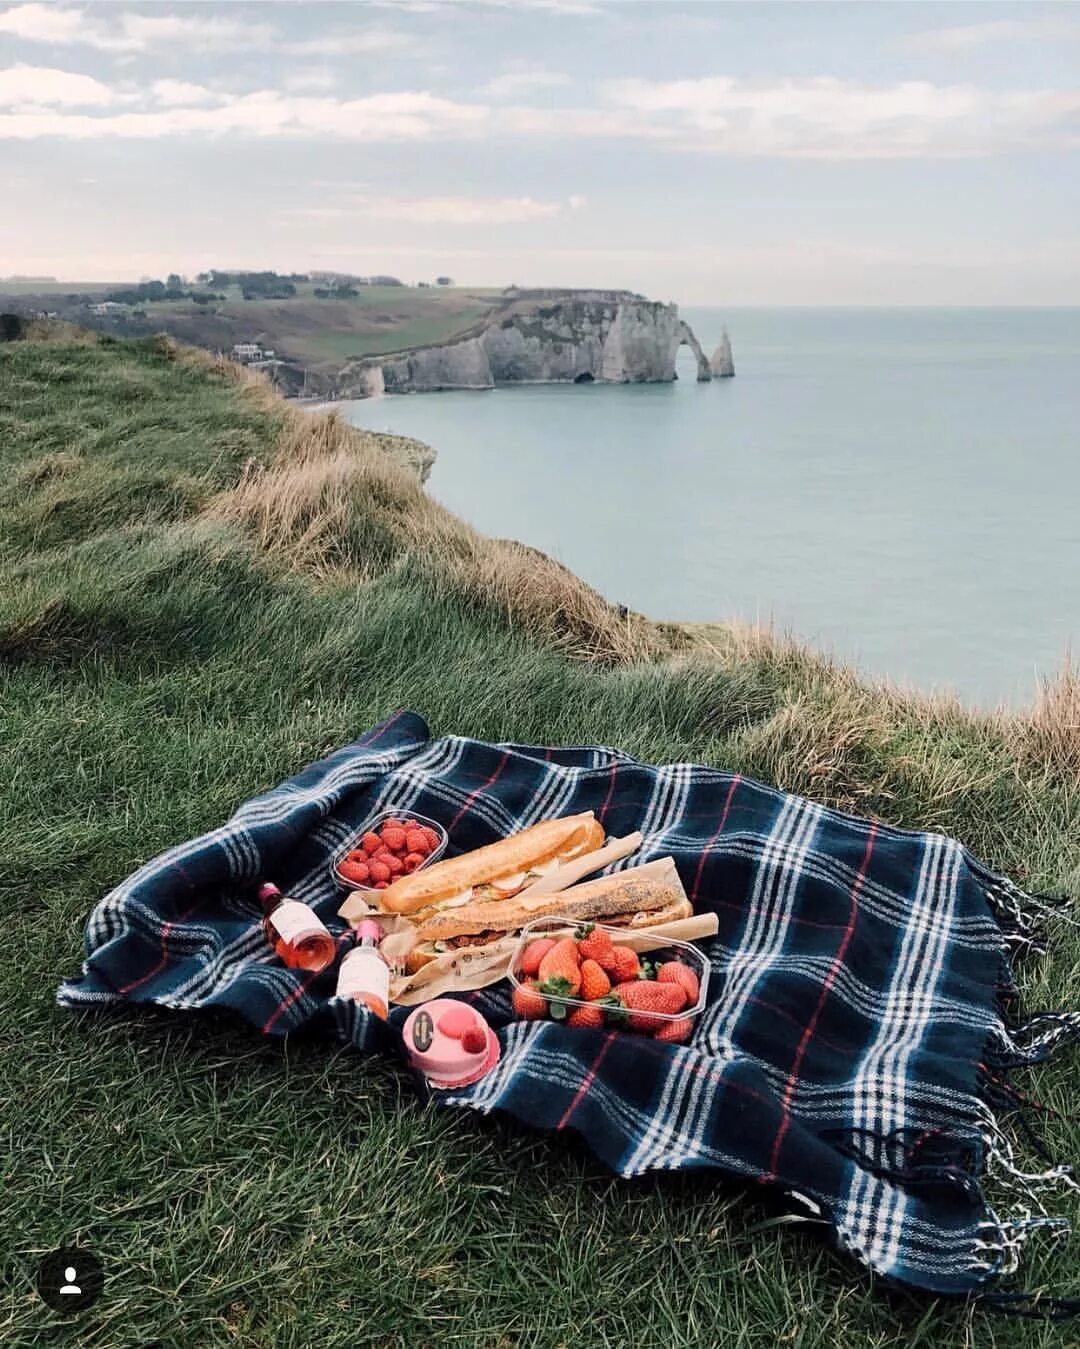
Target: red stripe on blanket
x,y
295,996
830,979
719,830
474,794
168,927
586,1081
607,799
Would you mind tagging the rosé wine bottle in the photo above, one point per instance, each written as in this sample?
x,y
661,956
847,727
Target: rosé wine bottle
x,y
295,931
364,975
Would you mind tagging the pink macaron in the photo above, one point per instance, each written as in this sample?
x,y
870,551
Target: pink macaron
x,y
450,1042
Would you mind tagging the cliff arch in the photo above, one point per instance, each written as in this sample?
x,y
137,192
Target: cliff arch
x,y
687,339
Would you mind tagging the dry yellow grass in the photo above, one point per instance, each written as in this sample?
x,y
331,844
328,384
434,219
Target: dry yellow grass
x,y
343,504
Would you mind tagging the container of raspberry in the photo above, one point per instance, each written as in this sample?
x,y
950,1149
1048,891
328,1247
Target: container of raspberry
x,y
598,976
391,844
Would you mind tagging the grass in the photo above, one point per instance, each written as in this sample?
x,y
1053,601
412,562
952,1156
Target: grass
x,y
200,590
319,333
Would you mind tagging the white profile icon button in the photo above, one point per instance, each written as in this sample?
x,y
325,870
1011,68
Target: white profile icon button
x,y
70,1280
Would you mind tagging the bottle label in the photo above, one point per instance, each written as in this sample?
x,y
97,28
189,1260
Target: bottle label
x,y
364,974
295,922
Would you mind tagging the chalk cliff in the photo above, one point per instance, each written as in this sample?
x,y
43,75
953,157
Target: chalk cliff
x,y
723,363
606,337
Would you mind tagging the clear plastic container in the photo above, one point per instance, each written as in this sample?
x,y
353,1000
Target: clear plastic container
x,y
374,824
658,950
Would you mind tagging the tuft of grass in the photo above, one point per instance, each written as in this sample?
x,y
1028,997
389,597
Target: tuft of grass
x,y
200,590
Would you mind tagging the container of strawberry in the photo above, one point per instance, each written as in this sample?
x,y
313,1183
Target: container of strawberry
x,y
591,976
391,844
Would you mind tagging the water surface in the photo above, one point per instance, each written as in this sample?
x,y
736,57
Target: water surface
x,y
900,487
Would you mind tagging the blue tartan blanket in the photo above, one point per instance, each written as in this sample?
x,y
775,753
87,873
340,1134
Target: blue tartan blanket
x,y
853,1055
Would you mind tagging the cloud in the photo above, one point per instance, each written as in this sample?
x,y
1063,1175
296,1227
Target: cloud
x,y
823,118
352,42
829,118
966,37
126,32
39,86
516,83
181,94
460,210
440,210
310,79
42,23
378,117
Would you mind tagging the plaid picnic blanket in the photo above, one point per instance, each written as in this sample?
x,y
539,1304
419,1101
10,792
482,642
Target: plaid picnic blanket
x,y
853,1055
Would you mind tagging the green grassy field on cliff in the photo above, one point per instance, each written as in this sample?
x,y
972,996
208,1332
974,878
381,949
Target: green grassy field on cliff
x,y
200,591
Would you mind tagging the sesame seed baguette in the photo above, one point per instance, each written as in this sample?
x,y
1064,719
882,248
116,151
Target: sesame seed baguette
x,y
610,897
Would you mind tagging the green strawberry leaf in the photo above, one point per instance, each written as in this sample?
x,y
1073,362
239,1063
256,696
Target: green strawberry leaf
x,y
557,987
557,1011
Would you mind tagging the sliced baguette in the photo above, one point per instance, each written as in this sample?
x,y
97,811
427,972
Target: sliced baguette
x,y
648,889
568,837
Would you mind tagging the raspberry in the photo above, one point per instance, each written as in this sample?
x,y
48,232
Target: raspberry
x,y
393,838
382,885
414,860
371,843
432,837
395,864
358,872
380,872
416,841
474,1041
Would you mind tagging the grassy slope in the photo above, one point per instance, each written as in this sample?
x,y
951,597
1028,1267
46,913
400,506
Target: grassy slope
x,y
314,332
199,592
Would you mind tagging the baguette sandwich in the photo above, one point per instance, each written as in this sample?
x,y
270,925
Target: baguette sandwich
x,y
500,870
642,897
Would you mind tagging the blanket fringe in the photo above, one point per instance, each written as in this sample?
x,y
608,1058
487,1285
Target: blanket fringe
x,y
1026,921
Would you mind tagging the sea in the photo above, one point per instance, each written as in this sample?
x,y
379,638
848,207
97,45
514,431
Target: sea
x,y
899,488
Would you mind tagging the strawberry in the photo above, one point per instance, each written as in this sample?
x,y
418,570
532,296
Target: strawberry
x,y
591,1018
379,872
594,981
675,972
528,1003
413,860
394,838
675,1032
643,996
416,841
594,943
534,953
561,966
371,843
623,965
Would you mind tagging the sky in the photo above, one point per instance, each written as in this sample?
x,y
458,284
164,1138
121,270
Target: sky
x,y
708,153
